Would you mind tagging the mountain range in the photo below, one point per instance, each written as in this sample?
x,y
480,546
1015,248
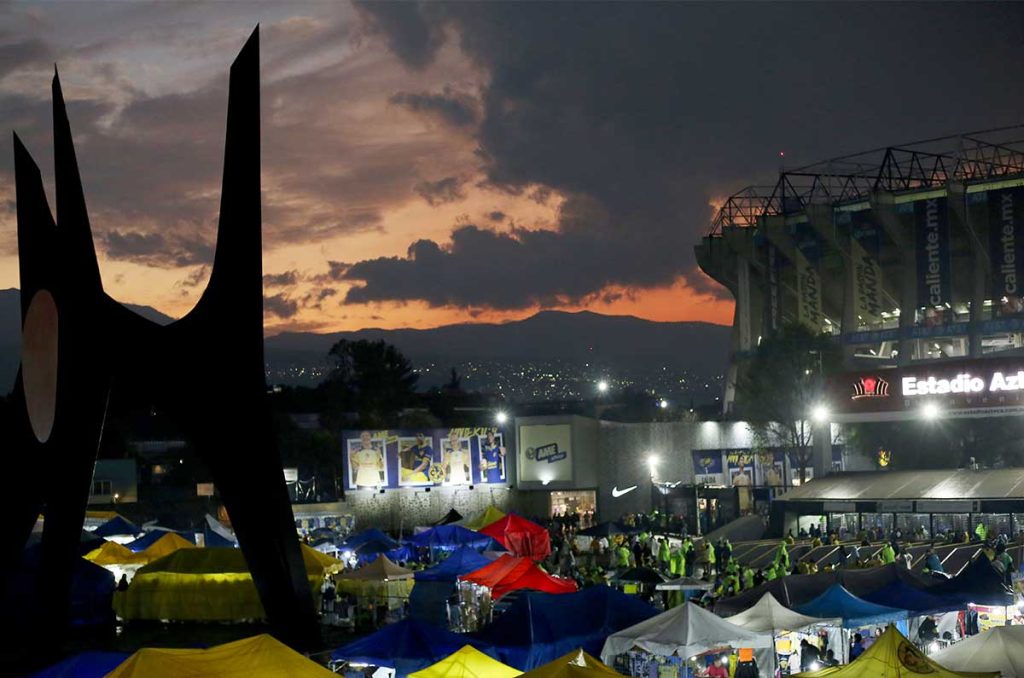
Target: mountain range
x,y
585,338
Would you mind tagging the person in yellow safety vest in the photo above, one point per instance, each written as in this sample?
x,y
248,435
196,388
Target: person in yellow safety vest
x,y
677,562
663,553
769,573
888,554
623,555
731,584
981,532
748,578
782,557
710,551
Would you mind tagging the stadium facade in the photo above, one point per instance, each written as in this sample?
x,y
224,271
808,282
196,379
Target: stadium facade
x,y
911,257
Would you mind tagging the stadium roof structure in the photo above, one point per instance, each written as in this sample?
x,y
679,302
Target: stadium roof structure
x,y
940,484
985,155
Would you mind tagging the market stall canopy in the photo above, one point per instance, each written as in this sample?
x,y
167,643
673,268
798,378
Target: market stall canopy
x,y
452,516
379,569
771,615
893,656
641,575
117,526
540,627
92,587
462,561
406,646
509,573
257,657
151,537
450,537
202,584
370,535
520,536
112,553
999,649
491,514
576,664
467,662
978,583
686,630
84,665
607,530
855,612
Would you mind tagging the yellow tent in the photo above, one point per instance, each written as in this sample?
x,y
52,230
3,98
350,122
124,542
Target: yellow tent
x,y
576,664
166,545
468,662
256,657
893,656
491,514
202,584
112,553
379,582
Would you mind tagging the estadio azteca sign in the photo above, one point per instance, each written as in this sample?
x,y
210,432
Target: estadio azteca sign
x,y
964,388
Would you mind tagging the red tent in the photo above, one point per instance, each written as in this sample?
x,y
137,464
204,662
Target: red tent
x,y
509,573
520,536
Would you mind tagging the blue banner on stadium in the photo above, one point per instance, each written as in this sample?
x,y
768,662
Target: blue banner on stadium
x,y
931,241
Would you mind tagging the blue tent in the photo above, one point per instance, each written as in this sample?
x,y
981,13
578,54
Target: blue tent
x,y
116,526
435,585
540,627
902,595
372,534
84,665
856,612
406,646
978,583
146,540
451,537
462,561
213,540
92,590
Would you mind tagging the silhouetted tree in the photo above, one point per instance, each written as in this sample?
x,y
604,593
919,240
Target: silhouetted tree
x,y
370,377
779,386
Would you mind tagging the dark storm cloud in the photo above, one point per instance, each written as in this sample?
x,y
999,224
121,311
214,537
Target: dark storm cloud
x,y
16,54
154,249
286,279
549,269
280,306
441,191
452,108
643,112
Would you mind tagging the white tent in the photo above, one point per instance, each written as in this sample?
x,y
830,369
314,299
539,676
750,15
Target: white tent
x,y
769,615
998,649
685,631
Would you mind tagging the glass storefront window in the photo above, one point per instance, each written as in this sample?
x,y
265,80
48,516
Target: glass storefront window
x,y
950,522
913,525
581,502
805,523
873,522
843,524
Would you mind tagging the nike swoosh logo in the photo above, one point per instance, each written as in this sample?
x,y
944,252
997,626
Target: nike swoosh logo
x,y
616,492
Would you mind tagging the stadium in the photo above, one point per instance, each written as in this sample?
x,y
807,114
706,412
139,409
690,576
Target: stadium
x,y
910,256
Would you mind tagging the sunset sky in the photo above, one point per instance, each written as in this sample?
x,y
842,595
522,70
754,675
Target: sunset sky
x,y
426,164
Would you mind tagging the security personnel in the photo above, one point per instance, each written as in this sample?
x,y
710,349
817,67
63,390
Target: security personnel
x,y
888,554
748,578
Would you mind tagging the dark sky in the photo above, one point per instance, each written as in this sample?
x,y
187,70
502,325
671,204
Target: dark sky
x,y
433,162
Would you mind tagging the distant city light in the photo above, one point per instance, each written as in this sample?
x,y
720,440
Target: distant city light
x,y
602,386
820,414
501,418
930,411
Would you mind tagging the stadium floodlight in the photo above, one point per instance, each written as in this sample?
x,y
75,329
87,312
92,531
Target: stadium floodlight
x,y
501,417
602,386
820,414
663,404
930,411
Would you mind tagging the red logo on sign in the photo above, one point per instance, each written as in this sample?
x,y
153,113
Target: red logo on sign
x,y
870,387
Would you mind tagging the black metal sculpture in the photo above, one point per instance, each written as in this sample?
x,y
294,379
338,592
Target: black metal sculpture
x,y
79,345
